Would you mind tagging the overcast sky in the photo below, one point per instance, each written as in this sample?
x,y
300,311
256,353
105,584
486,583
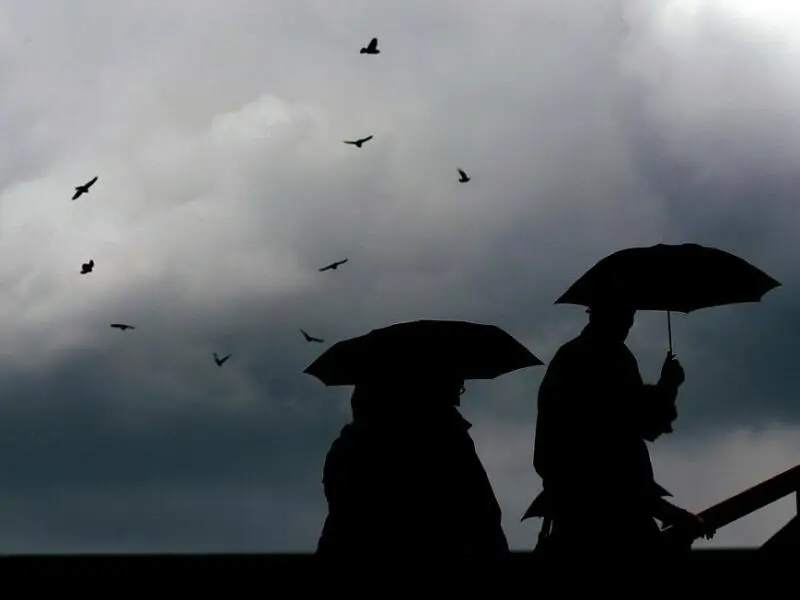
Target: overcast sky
x,y
216,131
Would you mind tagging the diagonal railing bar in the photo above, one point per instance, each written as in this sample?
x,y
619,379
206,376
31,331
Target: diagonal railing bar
x,y
752,499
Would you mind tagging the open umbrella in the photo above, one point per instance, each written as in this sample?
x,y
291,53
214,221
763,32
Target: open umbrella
x,y
683,278
460,348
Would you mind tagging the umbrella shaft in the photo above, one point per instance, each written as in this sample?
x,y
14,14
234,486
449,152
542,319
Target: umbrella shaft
x,y
669,330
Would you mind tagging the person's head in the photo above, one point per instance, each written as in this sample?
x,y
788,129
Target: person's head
x,y
393,396
446,390
612,319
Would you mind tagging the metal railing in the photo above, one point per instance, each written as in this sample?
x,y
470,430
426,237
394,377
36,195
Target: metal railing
x,y
753,499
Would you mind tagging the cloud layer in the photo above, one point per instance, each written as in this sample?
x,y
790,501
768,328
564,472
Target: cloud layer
x,y
216,132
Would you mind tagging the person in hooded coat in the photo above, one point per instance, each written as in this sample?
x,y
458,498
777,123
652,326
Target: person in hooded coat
x,y
404,478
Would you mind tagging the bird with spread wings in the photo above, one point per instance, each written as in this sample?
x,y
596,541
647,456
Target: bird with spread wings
x,y
311,338
371,48
333,266
220,361
360,142
83,189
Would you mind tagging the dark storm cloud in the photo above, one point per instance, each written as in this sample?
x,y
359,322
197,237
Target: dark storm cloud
x,y
224,185
99,461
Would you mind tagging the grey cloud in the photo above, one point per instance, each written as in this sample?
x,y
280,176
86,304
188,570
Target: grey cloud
x,y
224,186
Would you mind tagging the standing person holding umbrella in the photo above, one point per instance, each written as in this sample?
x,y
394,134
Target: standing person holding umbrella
x,y
595,413
403,479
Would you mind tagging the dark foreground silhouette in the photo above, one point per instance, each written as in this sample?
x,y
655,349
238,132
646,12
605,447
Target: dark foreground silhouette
x,y
303,572
403,479
595,415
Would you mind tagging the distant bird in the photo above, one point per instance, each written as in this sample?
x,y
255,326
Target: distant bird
x,y
219,360
372,48
359,143
122,326
464,177
311,338
87,267
333,266
83,189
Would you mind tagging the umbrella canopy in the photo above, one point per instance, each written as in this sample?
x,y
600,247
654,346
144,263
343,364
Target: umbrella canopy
x,y
683,278
452,348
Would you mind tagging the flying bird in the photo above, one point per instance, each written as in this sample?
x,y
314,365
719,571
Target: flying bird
x,y
359,143
464,177
310,338
219,360
333,266
122,326
87,267
372,47
84,189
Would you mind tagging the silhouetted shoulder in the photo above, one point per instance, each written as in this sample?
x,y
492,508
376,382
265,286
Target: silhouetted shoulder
x,y
588,381
567,358
597,355
565,352
355,446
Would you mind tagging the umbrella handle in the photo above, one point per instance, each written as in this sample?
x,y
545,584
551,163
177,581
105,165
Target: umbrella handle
x,y
669,331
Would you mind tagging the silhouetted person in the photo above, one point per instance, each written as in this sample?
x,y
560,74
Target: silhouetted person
x,y
404,480
594,415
